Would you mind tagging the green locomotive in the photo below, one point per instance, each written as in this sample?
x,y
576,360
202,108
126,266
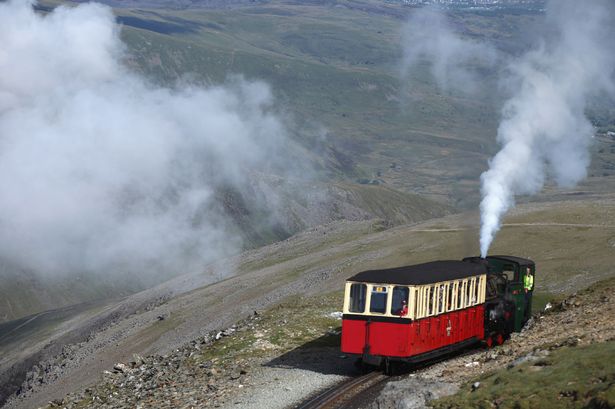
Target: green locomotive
x,y
508,301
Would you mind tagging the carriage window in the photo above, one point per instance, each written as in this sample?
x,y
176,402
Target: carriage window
x,y
460,286
449,300
468,292
441,297
400,294
429,300
433,300
501,284
476,288
510,274
357,298
379,299
492,287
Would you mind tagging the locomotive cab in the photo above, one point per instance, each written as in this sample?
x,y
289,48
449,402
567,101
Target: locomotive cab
x,y
507,299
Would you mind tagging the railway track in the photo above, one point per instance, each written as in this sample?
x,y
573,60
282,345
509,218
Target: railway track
x,y
352,390
337,396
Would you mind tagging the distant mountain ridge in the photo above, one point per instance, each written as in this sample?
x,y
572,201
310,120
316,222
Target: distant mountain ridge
x,y
178,4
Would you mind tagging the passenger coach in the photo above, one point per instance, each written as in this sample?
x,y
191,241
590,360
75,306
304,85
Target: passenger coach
x,y
415,313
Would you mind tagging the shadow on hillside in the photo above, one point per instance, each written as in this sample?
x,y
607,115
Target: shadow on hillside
x,y
321,355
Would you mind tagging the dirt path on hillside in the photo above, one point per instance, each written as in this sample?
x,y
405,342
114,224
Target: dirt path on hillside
x,y
590,225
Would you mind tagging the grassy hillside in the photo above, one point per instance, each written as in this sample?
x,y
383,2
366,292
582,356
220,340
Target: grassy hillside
x,y
571,243
573,368
303,276
336,66
569,378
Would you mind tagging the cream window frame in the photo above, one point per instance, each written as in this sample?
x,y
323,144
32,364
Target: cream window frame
x,y
469,291
455,295
426,292
475,294
450,288
434,300
411,302
431,302
424,300
417,302
346,306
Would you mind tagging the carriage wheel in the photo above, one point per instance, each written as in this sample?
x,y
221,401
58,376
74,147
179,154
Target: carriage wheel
x,y
489,341
499,339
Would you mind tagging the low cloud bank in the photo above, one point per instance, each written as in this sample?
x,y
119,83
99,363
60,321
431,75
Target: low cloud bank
x,y
429,37
101,170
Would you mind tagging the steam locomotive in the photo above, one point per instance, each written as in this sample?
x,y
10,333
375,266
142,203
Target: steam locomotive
x,y
419,312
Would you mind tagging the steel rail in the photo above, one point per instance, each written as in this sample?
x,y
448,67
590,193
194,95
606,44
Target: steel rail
x,y
344,392
333,397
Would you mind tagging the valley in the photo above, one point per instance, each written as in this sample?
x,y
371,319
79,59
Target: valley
x,y
381,168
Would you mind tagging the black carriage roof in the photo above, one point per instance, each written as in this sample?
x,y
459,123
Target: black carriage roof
x,y
521,261
425,273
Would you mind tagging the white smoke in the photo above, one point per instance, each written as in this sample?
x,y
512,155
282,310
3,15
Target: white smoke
x,y
544,129
429,37
101,170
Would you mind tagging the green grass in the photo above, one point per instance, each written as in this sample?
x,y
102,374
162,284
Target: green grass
x,y
572,377
290,324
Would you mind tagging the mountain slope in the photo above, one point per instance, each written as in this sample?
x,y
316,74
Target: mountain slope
x,y
314,262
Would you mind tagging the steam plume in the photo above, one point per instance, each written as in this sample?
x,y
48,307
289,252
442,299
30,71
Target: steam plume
x,y
102,171
429,36
544,129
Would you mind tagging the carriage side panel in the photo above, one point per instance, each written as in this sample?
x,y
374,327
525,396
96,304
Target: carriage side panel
x,y
353,336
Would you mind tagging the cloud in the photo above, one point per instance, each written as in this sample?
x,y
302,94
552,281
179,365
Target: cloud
x,y
428,37
544,130
100,170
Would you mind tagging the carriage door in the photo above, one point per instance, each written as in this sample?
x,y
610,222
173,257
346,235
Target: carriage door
x,y
400,332
515,293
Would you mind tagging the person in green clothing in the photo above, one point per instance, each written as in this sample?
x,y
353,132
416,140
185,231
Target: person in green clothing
x,y
528,286
528,281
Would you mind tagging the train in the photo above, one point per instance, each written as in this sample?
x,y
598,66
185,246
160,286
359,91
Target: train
x,y
420,312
